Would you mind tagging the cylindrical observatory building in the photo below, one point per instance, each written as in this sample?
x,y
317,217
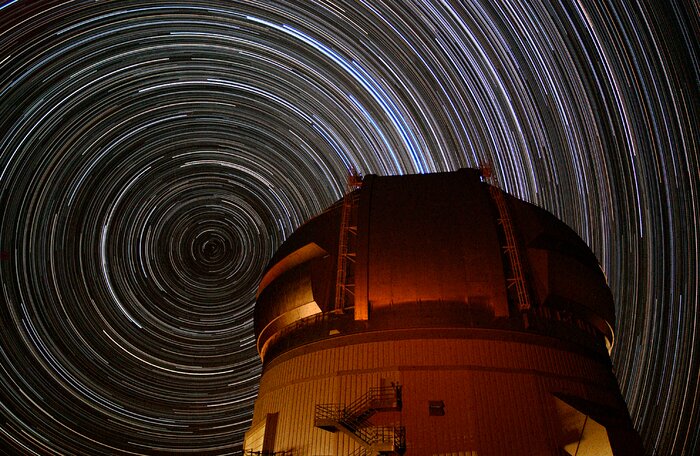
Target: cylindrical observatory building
x,y
435,315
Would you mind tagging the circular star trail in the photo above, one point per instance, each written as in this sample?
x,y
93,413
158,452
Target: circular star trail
x,y
154,154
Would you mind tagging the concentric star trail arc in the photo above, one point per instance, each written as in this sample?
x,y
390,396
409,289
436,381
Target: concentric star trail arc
x,y
154,155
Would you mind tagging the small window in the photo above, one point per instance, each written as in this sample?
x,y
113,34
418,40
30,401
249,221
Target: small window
x,y
436,408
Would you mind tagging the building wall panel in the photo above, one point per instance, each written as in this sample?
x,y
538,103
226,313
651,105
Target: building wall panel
x,y
495,393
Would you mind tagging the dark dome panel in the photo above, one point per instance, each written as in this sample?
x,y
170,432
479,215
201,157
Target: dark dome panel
x,y
431,251
430,238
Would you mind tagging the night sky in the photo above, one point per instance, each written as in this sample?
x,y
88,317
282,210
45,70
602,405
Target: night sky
x,y
153,155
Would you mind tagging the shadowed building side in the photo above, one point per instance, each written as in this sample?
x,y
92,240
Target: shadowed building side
x,y
433,315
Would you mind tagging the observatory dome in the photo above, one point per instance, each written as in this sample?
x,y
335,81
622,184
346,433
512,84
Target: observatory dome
x,y
435,250
431,315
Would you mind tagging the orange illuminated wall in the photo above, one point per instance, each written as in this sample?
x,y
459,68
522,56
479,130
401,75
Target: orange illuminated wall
x,y
431,354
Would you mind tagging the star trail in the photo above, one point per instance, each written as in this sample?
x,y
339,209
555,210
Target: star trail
x,y
154,154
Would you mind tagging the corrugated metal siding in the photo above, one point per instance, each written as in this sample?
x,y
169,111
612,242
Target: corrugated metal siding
x,y
495,393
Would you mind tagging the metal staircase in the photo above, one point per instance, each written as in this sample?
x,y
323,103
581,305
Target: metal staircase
x,y
267,453
354,420
360,451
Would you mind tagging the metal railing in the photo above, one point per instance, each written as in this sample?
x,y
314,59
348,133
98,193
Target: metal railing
x,y
359,410
361,451
267,453
394,435
330,412
354,418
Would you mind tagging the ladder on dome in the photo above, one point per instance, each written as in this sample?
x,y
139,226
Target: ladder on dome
x,y
346,244
511,246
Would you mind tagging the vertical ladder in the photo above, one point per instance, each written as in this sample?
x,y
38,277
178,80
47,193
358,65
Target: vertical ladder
x,y
511,246
346,254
